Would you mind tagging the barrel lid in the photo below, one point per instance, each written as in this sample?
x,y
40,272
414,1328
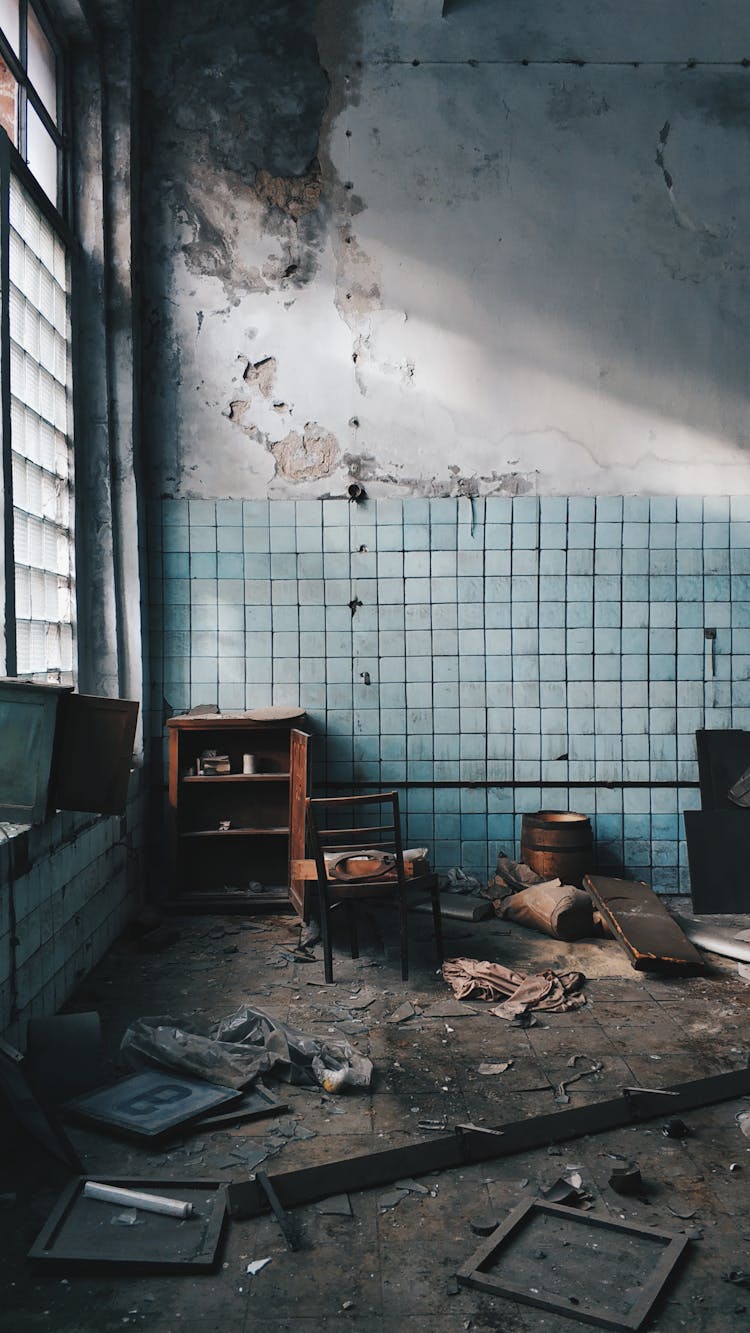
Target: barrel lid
x,y
556,817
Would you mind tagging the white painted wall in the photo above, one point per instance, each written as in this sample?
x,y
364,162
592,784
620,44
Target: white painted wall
x,y
541,269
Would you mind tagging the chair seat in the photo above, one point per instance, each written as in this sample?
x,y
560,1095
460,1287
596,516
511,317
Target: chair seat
x,y
381,840
379,888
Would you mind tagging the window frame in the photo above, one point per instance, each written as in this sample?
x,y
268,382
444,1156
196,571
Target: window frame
x,y
27,94
12,164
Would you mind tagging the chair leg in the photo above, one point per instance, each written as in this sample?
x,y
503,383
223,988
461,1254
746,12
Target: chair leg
x,y
351,920
325,935
404,938
438,920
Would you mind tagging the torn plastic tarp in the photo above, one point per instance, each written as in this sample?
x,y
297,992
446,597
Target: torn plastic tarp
x,y
554,991
242,1046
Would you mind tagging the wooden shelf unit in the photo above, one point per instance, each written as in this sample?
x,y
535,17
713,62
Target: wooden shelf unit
x,y
265,810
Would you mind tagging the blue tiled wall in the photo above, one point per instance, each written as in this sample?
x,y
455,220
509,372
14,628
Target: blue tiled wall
x,y
485,641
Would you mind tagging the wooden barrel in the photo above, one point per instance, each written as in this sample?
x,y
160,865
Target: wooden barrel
x,y
557,844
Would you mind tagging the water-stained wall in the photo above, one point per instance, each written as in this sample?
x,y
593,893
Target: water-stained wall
x,y
500,250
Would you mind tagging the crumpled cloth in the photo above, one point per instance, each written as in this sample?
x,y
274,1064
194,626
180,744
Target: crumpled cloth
x,y
553,991
240,1047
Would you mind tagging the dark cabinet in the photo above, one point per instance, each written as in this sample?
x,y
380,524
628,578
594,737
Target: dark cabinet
x,y
62,751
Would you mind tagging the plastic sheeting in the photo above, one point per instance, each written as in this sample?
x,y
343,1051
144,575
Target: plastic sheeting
x,y
242,1046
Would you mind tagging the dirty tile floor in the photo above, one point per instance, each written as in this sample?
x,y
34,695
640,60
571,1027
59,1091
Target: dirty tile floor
x,y
392,1268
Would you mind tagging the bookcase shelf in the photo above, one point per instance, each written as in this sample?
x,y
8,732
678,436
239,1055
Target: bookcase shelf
x,y
264,810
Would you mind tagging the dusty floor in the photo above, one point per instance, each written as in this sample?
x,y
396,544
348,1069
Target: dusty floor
x,y
392,1269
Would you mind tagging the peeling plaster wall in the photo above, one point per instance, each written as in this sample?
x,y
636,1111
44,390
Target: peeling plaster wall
x,y
501,251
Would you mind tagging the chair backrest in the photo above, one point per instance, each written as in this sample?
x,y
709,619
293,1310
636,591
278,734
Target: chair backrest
x,y
342,826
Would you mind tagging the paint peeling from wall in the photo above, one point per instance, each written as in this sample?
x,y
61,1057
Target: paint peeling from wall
x,y
366,468
306,457
295,196
357,280
261,375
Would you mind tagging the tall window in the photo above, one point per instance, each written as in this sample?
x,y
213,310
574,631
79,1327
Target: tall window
x,y
35,353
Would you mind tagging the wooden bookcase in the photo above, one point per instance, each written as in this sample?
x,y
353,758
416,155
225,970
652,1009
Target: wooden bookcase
x,y
262,813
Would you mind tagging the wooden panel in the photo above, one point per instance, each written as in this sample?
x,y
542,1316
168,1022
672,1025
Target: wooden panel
x,y
642,926
93,754
298,788
718,844
27,729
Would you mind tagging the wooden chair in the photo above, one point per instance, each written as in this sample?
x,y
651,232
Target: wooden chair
x,y
344,877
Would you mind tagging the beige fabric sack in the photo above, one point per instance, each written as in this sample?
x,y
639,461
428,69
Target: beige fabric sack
x,y
556,909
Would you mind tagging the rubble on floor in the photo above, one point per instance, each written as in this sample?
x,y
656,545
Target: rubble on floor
x,y
387,1255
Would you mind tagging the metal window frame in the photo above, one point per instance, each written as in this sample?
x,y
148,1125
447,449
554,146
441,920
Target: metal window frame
x,y
12,164
28,95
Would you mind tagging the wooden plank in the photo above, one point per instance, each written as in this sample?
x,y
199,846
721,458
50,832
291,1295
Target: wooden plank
x,y
298,788
304,868
642,926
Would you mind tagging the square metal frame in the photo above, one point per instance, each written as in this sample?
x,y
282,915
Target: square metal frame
x,y
136,1255
97,1108
471,1275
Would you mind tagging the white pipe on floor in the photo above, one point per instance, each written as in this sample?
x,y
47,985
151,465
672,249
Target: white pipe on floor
x,y
150,1203
713,939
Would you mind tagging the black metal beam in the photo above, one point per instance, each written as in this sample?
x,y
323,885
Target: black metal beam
x,y
469,1144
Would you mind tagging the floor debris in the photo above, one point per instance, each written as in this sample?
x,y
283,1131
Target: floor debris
x,y
257,1266
449,1009
551,991
561,1093
339,1205
675,1128
392,1199
694,1025
626,1179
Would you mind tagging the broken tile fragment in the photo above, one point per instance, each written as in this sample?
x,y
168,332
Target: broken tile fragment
x,y
339,1205
391,1200
449,1009
412,1187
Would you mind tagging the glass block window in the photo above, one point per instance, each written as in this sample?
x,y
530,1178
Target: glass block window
x,y
41,444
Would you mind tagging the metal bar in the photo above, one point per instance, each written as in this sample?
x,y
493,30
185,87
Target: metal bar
x,y
284,1220
512,783
293,1188
9,569
42,201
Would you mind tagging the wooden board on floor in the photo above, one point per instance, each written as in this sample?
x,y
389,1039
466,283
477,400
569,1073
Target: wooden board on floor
x,y
642,926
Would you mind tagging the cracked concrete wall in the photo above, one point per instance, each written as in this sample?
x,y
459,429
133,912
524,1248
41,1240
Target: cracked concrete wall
x,y
502,251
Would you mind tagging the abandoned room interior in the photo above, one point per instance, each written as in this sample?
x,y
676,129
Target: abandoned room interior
x,y
375,656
